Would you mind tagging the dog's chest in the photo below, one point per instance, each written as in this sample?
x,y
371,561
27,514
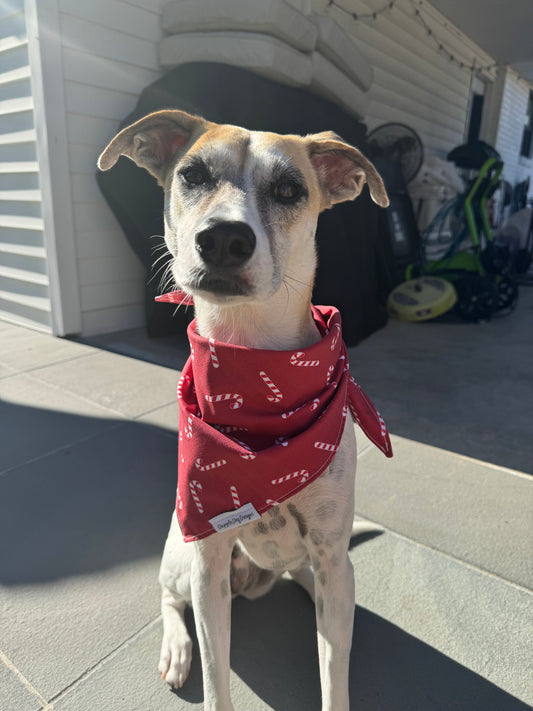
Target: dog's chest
x,y
280,539
275,542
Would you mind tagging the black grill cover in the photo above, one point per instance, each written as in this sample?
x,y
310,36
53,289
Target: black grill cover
x,y
355,258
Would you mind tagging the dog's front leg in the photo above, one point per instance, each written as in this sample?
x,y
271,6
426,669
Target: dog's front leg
x,y
211,599
335,605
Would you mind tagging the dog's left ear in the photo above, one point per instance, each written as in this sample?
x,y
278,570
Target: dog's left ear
x,y
342,170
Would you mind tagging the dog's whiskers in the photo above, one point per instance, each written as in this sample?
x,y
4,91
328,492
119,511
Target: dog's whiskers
x,y
299,281
167,278
156,271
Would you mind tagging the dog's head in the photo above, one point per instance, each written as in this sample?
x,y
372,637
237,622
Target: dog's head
x,y
241,206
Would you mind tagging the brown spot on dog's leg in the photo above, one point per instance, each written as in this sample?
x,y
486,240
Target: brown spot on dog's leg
x,y
333,537
316,536
326,510
277,523
260,528
322,578
300,520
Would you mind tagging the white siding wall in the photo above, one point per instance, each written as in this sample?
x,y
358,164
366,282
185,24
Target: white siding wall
x,y
510,129
107,54
105,68
414,83
24,283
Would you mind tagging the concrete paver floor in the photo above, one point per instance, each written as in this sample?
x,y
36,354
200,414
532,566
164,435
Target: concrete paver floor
x,y
87,480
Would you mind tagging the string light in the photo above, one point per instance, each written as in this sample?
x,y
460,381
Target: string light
x,y
363,16
441,47
444,50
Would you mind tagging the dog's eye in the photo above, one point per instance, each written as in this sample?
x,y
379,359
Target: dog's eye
x,y
287,192
195,175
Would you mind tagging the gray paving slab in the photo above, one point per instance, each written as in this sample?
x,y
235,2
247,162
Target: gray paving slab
x,y
14,694
6,371
471,617
25,349
85,526
274,660
166,417
271,669
125,385
476,512
85,529
171,351
469,437
5,325
38,418
464,387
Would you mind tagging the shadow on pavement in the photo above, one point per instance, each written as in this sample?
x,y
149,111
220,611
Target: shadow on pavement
x,y
274,652
88,506
106,499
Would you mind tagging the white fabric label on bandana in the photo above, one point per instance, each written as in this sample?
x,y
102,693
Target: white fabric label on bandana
x,y
232,519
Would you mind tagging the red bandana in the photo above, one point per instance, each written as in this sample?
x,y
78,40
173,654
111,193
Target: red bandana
x,y
257,426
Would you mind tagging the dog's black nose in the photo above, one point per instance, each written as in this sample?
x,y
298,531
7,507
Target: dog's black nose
x,y
226,244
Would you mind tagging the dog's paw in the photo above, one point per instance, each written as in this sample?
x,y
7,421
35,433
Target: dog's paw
x,y
175,660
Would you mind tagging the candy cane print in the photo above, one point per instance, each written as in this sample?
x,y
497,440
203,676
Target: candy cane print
x,y
180,502
207,467
286,415
336,336
382,426
228,429
271,502
331,370
227,396
283,441
250,452
302,475
188,428
296,360
195,486
235,497
327,447
277,395
213,353
354,414
314,404
181,383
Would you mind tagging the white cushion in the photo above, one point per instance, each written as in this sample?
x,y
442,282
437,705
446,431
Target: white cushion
x,y
332,84
258,53
342,50
271,17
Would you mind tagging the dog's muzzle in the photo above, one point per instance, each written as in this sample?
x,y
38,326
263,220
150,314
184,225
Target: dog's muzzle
x,y
226,246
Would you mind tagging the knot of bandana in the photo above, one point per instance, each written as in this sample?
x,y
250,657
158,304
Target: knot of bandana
x,y
257,426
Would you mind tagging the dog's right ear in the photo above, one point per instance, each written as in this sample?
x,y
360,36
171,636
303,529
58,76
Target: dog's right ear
x,y
153,141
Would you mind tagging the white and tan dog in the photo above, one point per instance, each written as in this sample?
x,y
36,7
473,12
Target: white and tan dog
x,y
241,209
